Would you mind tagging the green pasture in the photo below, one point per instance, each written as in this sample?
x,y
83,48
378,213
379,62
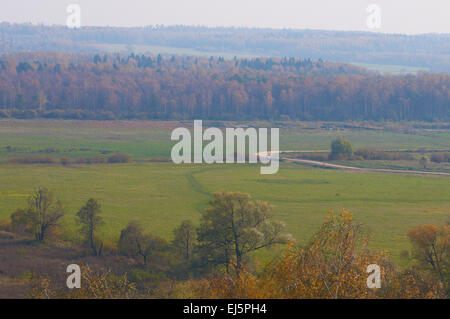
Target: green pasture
x,y
161,195
147,140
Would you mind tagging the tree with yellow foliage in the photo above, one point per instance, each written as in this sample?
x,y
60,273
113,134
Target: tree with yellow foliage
x,y
431,245
332,265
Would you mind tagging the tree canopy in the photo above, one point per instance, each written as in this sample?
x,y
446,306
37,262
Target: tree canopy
x,y
234,226
55,85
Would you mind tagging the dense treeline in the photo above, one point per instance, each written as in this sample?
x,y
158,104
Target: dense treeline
x,y
428,50
155,87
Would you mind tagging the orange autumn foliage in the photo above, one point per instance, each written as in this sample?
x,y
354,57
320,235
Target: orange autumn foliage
x,y
332,265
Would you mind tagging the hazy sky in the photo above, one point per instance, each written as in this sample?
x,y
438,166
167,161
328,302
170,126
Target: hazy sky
x,y
398,16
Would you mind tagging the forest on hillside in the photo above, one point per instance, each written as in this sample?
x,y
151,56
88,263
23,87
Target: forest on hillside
x,y
56,85
426,50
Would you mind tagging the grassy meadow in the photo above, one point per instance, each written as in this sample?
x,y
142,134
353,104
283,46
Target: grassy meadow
x,y
146,140
161,194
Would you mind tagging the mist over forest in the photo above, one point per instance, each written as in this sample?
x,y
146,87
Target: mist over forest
x,y
427,51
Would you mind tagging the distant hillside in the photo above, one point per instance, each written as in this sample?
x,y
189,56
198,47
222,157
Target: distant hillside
x,y
430,51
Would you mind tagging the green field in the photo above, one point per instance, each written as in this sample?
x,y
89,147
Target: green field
x,y
145,140
161,195
392,69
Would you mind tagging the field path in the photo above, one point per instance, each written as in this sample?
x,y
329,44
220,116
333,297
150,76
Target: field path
x,y
359,169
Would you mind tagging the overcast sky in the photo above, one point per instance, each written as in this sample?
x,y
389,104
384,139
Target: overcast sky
x,y
398,16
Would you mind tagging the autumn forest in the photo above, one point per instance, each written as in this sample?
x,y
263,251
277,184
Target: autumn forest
x,y
67,86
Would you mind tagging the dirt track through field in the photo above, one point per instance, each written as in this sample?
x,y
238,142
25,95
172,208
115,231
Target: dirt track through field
x,y
358,169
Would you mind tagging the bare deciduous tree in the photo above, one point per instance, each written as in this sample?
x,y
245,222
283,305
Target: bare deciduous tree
x,y
90,220
184,239
43,213
133,242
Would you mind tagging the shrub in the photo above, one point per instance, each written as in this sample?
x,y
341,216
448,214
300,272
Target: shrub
x,y
5,225
119,158
142,276
49,150
440,157
110,248
91,160
6,235
64,161
424,161
96,284
31,160
4,114
341,149
19,222
371,154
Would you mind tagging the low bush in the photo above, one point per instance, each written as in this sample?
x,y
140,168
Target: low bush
x,y
119,158
5,225
440,157
49,150
90,160
30,159
371,154
64,161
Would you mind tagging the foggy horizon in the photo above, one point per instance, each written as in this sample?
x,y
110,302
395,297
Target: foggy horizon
x,y
401,17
